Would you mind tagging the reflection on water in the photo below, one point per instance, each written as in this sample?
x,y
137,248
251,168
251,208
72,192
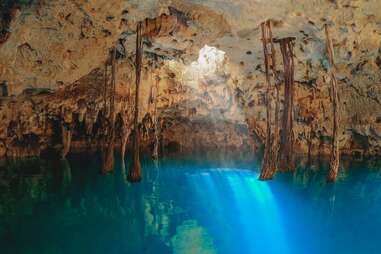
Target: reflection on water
x,y
188,204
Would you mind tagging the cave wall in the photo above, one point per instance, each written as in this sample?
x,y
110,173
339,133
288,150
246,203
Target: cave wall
x,y
52,63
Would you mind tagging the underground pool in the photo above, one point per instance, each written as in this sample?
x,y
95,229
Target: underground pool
x,y
187,204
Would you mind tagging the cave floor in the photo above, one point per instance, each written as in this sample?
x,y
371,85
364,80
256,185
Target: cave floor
x,y
187,204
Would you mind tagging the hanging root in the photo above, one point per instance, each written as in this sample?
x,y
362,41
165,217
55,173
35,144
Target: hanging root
x,y
335,150
134,174
275,141
287,139
155,152
269,162
333,168
109,96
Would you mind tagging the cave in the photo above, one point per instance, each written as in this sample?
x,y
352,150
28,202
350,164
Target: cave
x,y
188,126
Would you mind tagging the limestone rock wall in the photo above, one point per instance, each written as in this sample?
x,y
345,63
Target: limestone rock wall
x,y
54,43
212,95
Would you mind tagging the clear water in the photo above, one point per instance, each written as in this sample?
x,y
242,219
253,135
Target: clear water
x,y
190,204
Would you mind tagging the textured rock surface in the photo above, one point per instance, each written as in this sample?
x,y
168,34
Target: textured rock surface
x,y
213,97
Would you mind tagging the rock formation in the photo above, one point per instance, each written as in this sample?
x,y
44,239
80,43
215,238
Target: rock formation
x,y
208,56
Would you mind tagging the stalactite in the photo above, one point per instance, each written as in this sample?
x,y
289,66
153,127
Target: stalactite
x,y
134,174
335,150
269,162
287,138
159,26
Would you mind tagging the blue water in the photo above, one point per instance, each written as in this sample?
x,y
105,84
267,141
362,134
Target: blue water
x,y
187,204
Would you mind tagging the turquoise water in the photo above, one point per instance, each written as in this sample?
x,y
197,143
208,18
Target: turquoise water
x,y
188,204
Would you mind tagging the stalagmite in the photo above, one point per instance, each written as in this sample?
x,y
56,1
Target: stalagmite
x,y
287,138
269,162
134,174
335,150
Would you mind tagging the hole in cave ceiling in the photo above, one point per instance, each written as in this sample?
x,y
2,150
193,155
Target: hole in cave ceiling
x,y
210,66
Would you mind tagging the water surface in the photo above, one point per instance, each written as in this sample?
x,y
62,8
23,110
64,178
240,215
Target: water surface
x,y
187,204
